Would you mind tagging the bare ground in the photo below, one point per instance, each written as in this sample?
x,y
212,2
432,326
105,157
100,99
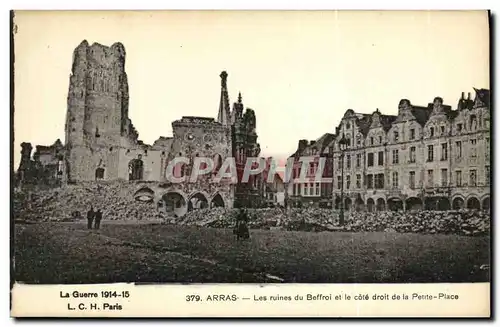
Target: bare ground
x,y
69,253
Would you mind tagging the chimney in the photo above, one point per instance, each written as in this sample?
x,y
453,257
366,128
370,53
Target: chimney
x,y
302,145
463,96
468,96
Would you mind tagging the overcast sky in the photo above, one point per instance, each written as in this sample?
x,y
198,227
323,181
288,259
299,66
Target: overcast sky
x,y
299,71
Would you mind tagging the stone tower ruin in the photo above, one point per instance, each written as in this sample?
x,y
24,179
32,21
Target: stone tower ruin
x,y
97,112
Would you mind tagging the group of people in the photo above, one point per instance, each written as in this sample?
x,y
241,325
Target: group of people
x,y
94,217
241,229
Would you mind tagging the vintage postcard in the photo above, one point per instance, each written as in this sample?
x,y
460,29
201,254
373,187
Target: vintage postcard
x,y
251,164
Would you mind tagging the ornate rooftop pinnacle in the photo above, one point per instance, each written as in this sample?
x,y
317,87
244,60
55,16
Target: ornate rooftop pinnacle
x,y
224,111
239,97
223,77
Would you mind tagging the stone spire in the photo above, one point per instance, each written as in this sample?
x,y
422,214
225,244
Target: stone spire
x,y
224,109
237,112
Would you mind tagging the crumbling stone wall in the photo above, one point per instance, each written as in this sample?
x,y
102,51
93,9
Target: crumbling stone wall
x,y
152,161
200,137
46,168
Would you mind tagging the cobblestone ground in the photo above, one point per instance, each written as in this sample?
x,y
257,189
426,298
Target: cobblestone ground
x,y
69,253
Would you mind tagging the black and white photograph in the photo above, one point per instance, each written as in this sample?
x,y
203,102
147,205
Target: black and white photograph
x,y
256,147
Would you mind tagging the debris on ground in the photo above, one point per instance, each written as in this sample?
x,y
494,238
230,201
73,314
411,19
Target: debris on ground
x,y
459,222
71,203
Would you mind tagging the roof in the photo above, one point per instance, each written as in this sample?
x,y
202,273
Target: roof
x,y
451,114
421,114
482,97
323,141
364,124
320,144
386,121
465,104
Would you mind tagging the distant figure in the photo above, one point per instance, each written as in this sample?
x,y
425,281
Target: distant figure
x,y
235,229
98,218
241,228
90,217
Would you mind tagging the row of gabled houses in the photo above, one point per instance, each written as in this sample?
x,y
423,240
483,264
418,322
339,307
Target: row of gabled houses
x,y
424,157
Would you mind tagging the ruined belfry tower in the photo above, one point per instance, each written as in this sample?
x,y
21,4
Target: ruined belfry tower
x,y
97,114
97,111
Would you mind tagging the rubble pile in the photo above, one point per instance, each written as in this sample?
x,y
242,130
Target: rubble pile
x,y
463,222
225,218
216,217
116,200
72,202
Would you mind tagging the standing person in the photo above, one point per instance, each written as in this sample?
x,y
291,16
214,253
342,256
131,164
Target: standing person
x,y
235,229
243,231
98,218
90,217
239,219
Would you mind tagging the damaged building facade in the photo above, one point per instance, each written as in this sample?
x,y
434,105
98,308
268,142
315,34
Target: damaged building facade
x,y
44,167
102,143
310,191
426,157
